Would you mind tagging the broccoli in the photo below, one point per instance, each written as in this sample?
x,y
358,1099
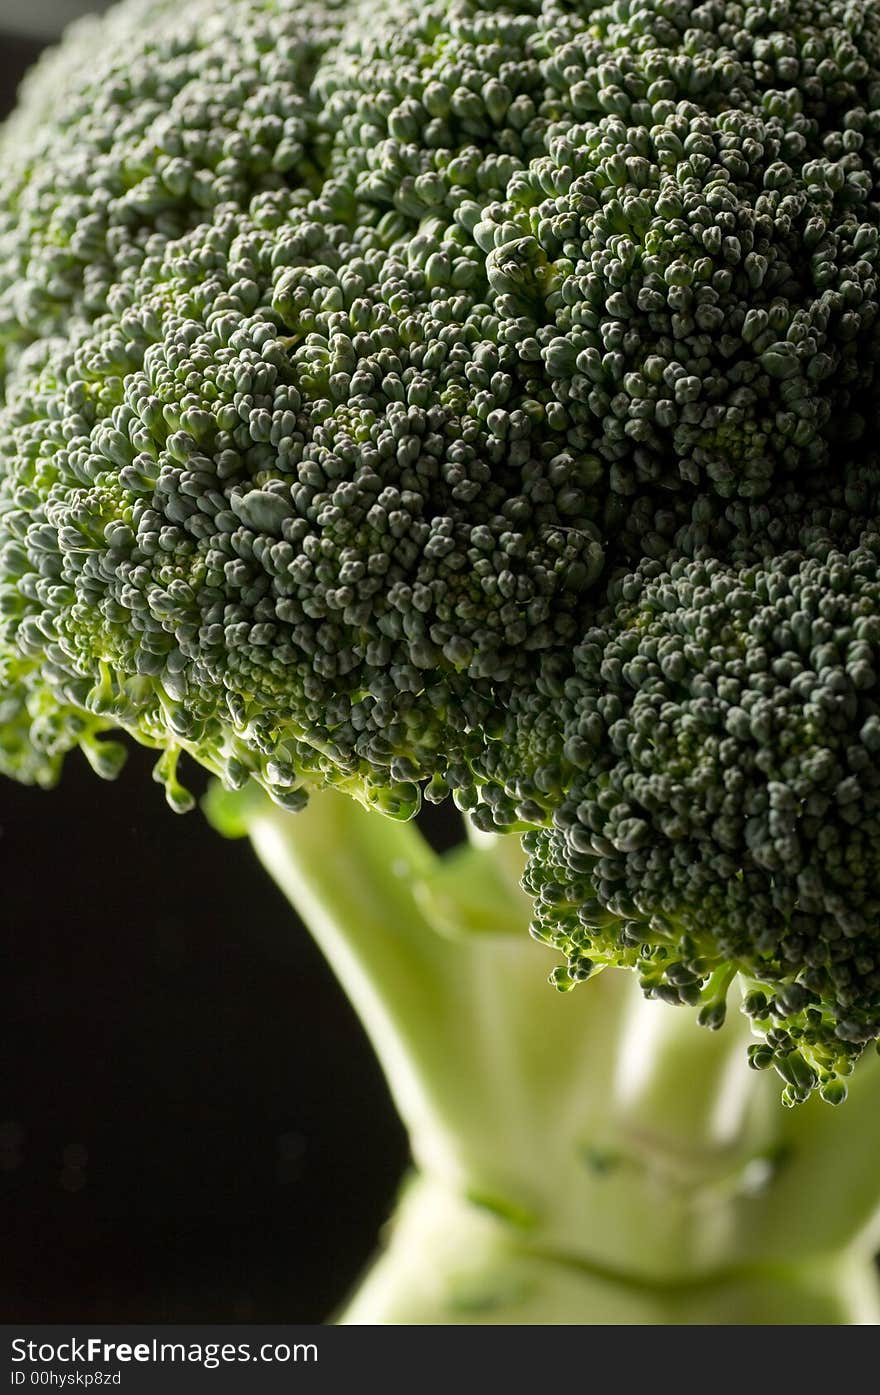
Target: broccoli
x,y
479,398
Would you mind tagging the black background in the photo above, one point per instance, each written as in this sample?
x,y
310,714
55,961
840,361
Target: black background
x,y
192,1126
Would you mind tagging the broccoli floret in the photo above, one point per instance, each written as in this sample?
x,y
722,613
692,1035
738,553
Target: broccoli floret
x,y
722,800
140,128
473,396
259,508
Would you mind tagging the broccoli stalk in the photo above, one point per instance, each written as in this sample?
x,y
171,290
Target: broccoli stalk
x,y
590,1158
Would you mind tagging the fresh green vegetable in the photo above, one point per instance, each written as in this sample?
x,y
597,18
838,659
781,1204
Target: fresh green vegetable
x,y
477,397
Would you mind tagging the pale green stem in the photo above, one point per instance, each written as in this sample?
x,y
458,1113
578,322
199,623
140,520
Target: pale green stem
x,y
447,1263
826,1193
606,1138
477,1049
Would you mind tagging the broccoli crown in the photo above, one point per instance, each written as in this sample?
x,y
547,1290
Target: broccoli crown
x,y
481,395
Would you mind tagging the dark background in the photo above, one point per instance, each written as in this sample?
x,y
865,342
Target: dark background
x,y
192,1125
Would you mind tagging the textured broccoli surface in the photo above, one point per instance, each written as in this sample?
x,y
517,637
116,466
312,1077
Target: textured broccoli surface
x,y
480,396
722,808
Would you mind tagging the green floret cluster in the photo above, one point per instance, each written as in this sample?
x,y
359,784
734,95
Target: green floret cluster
x,y
139,129
722,810
474,395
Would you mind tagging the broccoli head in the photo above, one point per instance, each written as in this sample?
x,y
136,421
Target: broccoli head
x,y
474,396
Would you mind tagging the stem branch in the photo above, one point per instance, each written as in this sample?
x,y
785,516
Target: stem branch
x,y
593,1133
